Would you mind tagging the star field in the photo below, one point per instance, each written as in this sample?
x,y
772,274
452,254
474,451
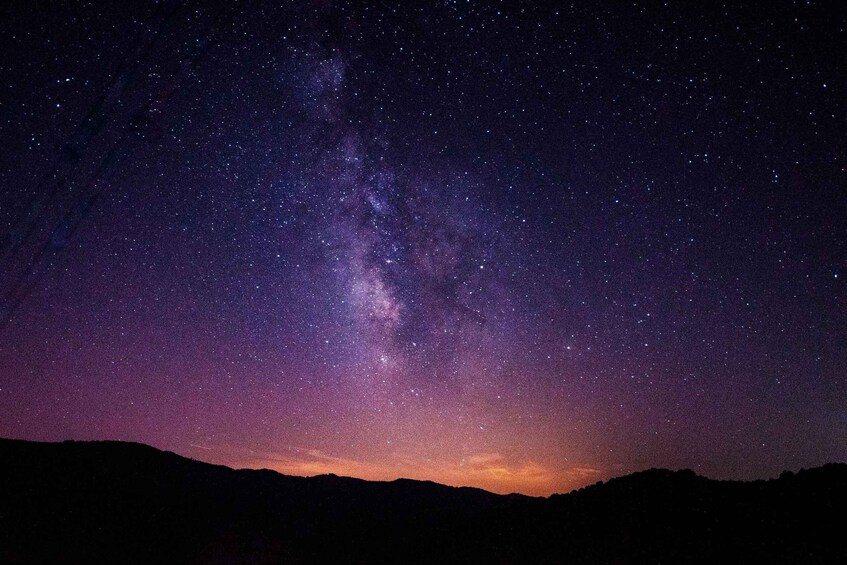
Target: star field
x,y
518,247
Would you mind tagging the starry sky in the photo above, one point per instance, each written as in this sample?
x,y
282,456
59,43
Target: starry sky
x,y
520,246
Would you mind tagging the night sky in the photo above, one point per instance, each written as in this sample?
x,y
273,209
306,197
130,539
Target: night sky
x,y
518,246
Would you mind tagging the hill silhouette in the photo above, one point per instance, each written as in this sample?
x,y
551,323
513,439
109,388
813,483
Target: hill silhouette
x,y
96,502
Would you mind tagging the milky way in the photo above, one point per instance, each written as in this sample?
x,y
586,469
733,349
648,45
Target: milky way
x,y
518,247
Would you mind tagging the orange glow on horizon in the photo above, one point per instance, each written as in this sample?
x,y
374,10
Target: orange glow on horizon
x,y
488,471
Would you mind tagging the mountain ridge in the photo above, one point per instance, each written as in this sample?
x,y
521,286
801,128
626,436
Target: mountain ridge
x,y
114,501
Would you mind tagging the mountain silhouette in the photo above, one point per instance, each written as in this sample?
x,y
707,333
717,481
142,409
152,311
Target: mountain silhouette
x,y
117,502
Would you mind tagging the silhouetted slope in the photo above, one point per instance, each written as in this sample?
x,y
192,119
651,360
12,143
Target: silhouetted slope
x,y
83,501
660,516
124,502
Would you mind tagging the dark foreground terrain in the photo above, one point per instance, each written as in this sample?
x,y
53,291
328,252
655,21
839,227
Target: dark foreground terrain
x,y
98,502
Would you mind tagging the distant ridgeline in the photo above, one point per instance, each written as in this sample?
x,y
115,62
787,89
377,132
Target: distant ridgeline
x,y
113,502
